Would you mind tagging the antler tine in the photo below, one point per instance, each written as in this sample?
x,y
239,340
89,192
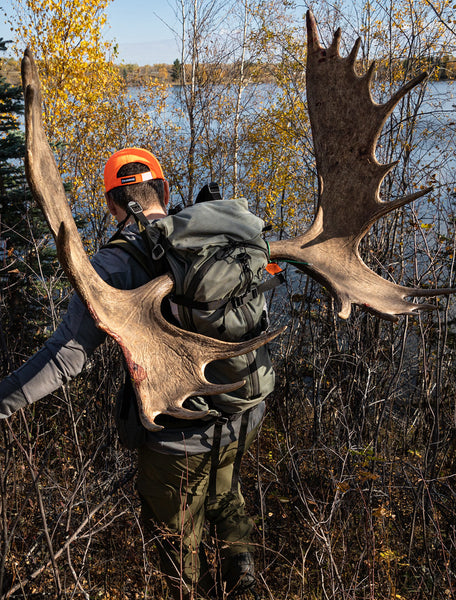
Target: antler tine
x,y
431,292
346,124
313,39
398,203
166,363
40,164
388,107
369,76
335,45
351,58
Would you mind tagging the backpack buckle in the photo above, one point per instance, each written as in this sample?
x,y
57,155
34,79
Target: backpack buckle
x,y
237,301
135,207
157,252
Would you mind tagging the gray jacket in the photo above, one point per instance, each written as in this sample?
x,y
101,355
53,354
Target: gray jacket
x,y
65,353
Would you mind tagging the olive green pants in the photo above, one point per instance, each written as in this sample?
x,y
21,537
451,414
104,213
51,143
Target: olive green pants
x,y
176,502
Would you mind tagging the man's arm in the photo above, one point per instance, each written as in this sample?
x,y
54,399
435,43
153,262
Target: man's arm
x,y
63,356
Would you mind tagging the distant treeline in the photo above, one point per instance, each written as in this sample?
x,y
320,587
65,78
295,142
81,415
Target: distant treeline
x,y
135,75
443,68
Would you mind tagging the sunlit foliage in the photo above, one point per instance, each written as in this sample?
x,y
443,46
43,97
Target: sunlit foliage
x,y
87,109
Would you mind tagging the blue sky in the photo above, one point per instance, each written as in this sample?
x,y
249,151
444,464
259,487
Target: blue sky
x,y
139,27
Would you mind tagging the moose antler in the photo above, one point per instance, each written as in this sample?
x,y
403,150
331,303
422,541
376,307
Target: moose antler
x,y
166,363
346,124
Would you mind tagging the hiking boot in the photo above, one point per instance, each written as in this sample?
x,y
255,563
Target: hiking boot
x,y
240,574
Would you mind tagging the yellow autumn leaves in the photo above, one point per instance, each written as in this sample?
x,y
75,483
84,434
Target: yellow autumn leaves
x,y
86,105
257,144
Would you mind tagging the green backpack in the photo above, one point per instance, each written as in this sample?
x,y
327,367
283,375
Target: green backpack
x,y
217,256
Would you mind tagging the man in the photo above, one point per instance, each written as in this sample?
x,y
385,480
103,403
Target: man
x,y
188,471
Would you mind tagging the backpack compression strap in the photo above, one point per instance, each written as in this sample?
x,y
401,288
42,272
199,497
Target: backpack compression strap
x,y
234,302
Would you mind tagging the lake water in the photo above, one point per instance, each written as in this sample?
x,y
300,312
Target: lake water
x,y
435,127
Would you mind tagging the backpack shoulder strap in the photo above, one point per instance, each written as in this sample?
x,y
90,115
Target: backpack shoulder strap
x,y
119,241
152,238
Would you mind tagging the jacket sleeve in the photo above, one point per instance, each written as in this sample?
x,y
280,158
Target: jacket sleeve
x,y
60,359
64,354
